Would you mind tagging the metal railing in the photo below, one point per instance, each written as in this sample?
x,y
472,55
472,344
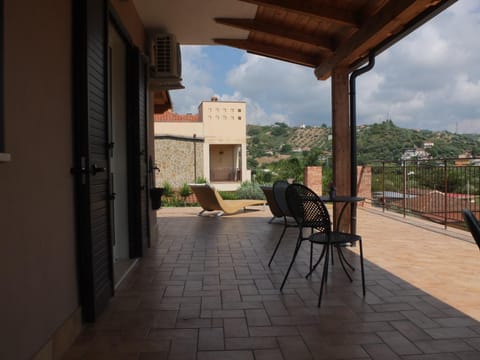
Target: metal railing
x,y
437,190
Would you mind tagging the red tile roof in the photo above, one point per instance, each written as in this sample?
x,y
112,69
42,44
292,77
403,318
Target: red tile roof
x,y
170,116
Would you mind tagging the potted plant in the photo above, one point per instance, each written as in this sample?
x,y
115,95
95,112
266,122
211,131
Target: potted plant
x,y
156,197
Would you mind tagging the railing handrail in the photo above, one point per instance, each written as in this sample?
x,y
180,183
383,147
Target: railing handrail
x,y
442,189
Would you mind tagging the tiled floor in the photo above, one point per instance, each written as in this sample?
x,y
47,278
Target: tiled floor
x,y
204,291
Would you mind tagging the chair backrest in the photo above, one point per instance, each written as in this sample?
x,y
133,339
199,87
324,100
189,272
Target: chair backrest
x,y
473,225
279,192
307,208
207,196
272,202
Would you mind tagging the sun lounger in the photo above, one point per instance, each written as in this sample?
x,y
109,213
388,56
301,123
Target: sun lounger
x,y
211,200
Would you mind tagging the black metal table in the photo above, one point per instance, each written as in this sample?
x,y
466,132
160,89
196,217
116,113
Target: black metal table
x,y
341,199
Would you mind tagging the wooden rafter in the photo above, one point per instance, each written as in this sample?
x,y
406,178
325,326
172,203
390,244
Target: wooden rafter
x,y
311,9
385,21
272,51
322,42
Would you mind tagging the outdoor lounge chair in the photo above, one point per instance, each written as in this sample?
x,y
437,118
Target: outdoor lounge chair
x,y
211,200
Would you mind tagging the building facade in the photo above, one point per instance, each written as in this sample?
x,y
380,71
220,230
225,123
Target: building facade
x,y
211,145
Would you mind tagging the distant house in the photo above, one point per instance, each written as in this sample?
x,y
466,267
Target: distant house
x,y
211,144
417,153
464,159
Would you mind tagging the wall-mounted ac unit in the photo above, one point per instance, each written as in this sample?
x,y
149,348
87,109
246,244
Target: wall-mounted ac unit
x,y
166,63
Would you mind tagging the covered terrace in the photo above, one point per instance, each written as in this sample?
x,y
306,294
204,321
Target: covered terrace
x,y
76,165
204,291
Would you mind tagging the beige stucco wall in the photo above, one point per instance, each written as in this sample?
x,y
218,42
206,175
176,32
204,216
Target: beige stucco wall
x,y
175,159
224,122
38,272
38,280
187,129
131,21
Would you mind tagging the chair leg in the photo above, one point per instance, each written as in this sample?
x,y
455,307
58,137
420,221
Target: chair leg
x,y
324,275
318,262
342,258
331,255
340,253
361,266
278,243
311,256
297,247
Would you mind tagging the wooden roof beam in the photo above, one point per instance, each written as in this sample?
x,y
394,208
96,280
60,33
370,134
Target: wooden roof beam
x,y
385,21
271,51
315,10
323,42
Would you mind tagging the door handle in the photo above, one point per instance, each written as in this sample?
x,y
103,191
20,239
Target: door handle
x,y
97,169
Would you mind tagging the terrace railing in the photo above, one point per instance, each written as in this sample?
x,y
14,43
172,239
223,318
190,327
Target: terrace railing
x,y
437,190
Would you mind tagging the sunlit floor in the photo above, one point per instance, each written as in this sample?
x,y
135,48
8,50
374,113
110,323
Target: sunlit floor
x,y
204,291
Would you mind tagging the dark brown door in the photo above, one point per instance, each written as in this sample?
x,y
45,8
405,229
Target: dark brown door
x,y
91,160
138,156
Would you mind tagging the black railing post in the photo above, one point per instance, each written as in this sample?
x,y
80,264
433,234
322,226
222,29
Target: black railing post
x,y
383,186
404,180
445,207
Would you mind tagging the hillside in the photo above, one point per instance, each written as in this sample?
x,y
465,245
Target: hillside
x,y
384,141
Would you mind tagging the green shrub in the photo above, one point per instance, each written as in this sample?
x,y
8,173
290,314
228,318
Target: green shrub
x,y
185,191
200,180
249,190
229,195
167,189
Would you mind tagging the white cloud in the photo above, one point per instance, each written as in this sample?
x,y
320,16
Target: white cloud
x,y
465,91
430,79
286,92
196,68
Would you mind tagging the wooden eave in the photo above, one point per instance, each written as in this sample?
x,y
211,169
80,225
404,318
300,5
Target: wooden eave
x,y
325,34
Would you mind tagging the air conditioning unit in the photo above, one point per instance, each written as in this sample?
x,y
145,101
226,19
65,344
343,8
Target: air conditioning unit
x,y
166,63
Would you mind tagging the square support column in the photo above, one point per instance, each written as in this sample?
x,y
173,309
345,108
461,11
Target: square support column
x,y
341,141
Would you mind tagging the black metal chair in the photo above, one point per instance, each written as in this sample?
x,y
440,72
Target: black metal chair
x,y
310,211
279,189
473,225
272,203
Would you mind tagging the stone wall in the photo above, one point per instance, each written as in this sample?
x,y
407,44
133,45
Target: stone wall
x,y
175,159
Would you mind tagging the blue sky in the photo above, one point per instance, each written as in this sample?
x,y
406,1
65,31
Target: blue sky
x,y
429,80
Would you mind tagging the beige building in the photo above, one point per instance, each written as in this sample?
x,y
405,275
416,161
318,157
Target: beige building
x,y
211,144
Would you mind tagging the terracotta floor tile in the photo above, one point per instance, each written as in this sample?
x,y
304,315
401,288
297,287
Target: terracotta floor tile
x,y
268,354
211,339
225,355
204,291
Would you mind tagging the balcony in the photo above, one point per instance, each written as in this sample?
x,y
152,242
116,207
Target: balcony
x,y
204,291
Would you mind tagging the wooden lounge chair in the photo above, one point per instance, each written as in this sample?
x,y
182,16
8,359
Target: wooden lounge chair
x,y
211,200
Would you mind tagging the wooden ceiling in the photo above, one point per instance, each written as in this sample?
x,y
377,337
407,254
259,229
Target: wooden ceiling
x,y
325,34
